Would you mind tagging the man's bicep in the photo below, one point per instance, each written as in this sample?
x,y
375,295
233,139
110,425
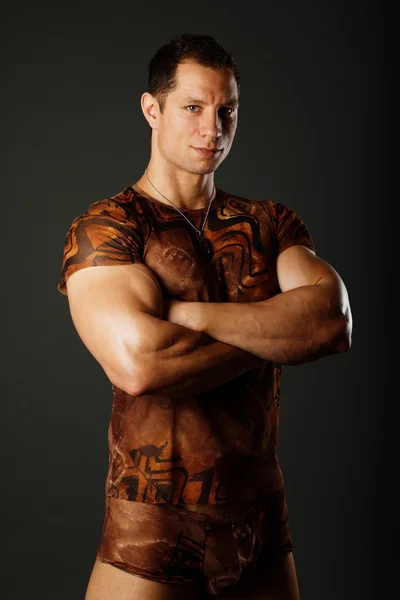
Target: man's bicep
x,y
297,266
107,305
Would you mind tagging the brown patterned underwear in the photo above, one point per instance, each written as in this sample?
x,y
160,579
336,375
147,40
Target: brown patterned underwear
x,y
170,544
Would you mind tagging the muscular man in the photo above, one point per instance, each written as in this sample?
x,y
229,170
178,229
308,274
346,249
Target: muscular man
x,y
191,298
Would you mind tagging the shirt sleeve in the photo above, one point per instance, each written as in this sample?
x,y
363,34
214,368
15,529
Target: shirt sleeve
x,y
106,234
290,229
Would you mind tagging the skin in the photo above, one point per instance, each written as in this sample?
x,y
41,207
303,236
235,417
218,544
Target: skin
x,y
278,581
182,346
309,320
175,167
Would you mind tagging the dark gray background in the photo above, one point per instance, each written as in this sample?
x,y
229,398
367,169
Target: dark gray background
x,y
311,134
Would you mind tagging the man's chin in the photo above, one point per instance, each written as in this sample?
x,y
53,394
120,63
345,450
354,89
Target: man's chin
x,y
196,170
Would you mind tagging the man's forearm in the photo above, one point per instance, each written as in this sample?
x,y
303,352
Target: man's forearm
x,y
176,361
293,327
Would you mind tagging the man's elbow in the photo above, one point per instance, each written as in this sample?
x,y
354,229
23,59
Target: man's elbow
x,y
340,338
132,386
344,344
128,383
139,385
129,376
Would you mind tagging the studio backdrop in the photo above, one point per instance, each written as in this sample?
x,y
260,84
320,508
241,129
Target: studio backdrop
x,y
311,135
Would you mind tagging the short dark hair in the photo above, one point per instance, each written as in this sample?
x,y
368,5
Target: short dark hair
x,y
200,48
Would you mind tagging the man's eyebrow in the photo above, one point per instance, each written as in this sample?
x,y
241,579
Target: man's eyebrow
x,y
231,101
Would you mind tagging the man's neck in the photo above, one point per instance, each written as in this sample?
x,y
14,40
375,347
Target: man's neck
x,y
189,194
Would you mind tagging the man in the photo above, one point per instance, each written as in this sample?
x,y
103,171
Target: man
x,y
191,298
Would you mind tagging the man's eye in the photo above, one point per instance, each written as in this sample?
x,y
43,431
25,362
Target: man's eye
x,y
228,111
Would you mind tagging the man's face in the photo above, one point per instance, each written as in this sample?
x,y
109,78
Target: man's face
x,y
203,106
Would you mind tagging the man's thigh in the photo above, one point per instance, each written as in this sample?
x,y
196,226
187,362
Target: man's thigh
x,y
111,583
277,581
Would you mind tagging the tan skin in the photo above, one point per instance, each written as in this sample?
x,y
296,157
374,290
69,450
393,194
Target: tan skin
x,y
202,112
277,582
129,329
313,313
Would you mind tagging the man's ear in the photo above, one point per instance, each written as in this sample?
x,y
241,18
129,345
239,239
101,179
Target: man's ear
x,y
150,108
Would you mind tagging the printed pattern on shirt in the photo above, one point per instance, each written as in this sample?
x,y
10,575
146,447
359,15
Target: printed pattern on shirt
x,y
221,444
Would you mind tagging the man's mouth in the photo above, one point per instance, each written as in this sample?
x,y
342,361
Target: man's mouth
x,y
207,152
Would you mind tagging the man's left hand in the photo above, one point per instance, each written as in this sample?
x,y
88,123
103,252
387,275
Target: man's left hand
x,y
187,314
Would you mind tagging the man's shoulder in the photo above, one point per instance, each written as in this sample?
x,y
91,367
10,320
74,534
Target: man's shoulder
x,y
245,203
112,202
121,207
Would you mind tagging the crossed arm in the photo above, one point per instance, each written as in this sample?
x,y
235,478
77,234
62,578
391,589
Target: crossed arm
x,y
149,345
310,319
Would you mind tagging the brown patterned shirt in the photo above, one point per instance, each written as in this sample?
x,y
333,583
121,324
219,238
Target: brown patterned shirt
x,y
218,445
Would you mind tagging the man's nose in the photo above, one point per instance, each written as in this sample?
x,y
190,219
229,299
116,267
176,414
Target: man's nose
x,y
211,125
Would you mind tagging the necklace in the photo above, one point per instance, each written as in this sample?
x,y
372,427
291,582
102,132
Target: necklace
x,y
205,245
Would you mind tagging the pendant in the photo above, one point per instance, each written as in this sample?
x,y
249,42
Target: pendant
x,y
205,246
